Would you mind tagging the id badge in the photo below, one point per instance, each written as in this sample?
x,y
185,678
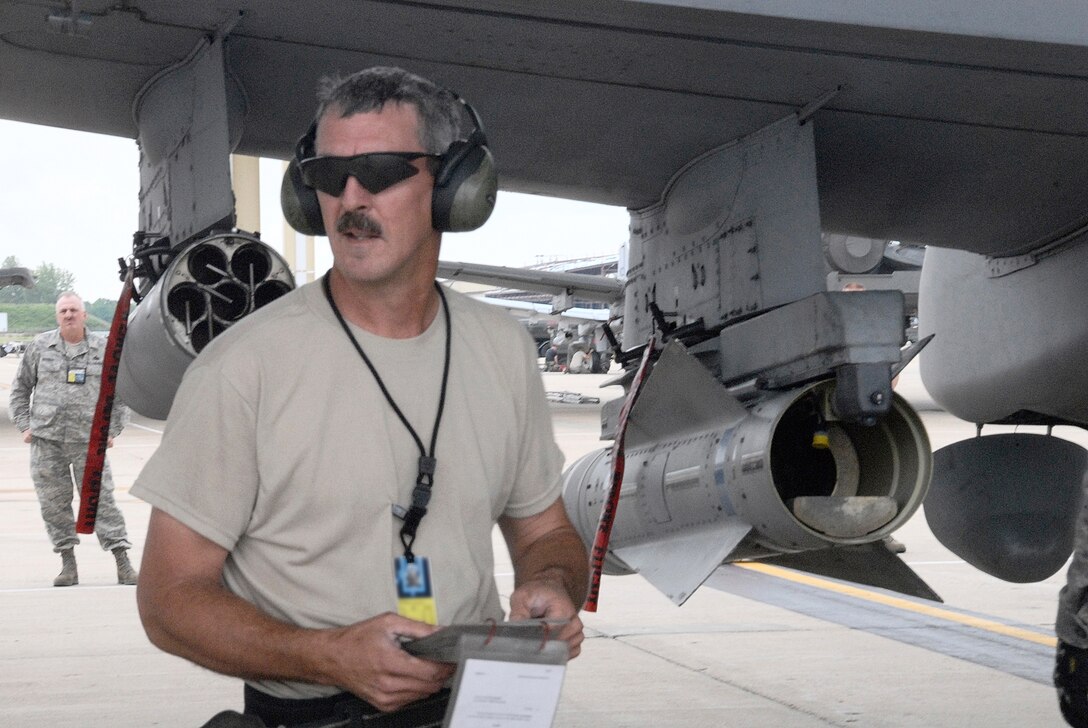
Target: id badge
x,y
415,593
77,376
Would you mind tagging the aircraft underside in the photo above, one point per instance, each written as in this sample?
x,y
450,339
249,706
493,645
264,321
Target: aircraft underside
x,y
767,427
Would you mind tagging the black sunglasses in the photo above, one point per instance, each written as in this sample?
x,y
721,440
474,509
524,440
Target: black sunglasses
x,y
375,171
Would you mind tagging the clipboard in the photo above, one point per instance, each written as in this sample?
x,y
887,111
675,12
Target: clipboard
x,y
508,673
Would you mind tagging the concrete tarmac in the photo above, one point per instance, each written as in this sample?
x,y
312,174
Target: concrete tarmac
x,y
753,647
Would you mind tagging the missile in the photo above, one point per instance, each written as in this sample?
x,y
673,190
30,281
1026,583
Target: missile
x,y
711,480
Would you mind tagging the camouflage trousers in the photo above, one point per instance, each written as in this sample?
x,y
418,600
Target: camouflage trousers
x,y
1071,624
57,471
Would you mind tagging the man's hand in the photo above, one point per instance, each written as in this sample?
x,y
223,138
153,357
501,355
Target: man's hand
x,y
543,599
551,570
368,661
188,611
26,436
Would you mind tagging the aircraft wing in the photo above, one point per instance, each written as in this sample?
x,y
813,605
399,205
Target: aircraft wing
x,y
593,288
16,277
530,309
564,287
960,124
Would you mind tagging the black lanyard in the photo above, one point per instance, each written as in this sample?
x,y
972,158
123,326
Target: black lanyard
x,y
421,493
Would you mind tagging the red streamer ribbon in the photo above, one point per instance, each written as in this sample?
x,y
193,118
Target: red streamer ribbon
x,y
608,513
103,412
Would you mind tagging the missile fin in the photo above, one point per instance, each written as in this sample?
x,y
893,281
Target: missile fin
x,y
872,564
680,396
678,565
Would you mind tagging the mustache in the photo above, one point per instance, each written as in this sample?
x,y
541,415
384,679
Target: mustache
x,y
360,221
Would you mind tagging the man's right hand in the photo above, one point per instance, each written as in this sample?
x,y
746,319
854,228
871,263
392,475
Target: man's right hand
x,y
26,436
368,661
187,610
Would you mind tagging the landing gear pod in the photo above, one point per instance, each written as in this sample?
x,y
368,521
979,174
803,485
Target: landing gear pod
x,y
206,288
1008,504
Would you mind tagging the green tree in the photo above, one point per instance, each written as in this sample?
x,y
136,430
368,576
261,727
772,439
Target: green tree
x,y
103,308
51,281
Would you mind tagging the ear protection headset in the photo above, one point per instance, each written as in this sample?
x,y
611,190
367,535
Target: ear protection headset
x,y
465,185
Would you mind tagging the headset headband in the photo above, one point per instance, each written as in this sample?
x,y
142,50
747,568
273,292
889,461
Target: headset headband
x,y
465,188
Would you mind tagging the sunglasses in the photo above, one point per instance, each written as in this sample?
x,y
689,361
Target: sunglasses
x,y
375,171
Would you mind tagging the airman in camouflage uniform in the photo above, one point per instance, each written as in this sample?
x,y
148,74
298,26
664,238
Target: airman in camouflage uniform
x,y
52,402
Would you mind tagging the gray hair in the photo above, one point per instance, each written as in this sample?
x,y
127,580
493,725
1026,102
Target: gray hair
x,y
72,294
369,90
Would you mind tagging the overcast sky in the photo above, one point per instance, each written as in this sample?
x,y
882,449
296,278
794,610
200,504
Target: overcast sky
x,y
71,199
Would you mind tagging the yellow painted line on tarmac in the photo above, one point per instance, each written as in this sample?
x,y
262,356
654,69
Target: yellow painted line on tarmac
x,y
899,603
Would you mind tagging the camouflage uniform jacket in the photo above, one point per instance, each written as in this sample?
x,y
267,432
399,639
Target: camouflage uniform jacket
x,y
59,410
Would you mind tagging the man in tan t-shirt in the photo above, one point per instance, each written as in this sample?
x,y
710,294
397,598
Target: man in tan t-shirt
x,y
228,570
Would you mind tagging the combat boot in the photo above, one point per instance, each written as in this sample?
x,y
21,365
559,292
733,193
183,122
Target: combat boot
x,y
125,573
68,575
1071,680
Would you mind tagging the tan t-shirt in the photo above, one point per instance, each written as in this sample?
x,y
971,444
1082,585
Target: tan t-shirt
x,y
281,448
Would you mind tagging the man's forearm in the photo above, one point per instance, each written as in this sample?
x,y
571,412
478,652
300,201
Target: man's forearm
x,y
206,624
560,557
188,611
22,387
212,627
120,416
19,407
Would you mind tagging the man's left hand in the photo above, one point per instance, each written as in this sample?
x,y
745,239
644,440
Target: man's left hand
x,y
545,599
